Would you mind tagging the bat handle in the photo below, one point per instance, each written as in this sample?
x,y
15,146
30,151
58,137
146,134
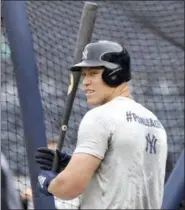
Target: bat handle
x,y
56,162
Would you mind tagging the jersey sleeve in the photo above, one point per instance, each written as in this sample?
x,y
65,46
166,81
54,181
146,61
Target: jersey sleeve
x,y
94,135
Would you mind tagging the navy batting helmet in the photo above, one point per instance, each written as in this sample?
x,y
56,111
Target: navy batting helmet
x,y
112,56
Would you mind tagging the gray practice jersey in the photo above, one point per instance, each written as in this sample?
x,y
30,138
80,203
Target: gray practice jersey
x,y
132,144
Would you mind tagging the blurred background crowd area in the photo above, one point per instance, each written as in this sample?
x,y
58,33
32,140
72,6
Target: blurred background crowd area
x,y
153,33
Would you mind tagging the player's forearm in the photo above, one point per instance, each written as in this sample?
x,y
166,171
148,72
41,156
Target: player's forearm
x,y
62,188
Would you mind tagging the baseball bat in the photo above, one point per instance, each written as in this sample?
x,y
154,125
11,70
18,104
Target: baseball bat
x,y
84,37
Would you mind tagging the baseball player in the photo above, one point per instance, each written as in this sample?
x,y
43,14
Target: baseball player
x,y
120,157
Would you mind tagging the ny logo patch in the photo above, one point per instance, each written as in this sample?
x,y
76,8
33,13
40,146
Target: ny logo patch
x,y
151,144
84,54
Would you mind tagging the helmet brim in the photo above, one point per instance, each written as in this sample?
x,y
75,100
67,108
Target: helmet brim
x,y
86,63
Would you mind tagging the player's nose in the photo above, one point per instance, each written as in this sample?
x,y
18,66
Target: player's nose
x,y
86,81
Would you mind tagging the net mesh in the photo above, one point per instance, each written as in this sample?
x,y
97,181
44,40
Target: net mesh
x,y
153,33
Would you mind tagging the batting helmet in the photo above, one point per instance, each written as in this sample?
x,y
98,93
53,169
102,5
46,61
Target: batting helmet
x,y
112,56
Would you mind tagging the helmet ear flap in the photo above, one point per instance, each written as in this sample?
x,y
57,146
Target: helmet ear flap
x,y
114,76
111,78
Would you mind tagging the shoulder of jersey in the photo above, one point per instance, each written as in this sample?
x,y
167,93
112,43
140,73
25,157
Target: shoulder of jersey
x,y
149,113
100,111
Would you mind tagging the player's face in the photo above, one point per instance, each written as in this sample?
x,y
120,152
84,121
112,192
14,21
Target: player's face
x,y
96,91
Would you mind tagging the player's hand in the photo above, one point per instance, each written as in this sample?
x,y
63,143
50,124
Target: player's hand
x,y
44,157
44,179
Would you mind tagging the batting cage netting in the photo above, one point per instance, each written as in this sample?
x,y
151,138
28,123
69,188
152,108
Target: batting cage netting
x,y
153,33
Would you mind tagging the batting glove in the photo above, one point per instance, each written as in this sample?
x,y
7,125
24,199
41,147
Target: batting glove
x,y
44,179
44,157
